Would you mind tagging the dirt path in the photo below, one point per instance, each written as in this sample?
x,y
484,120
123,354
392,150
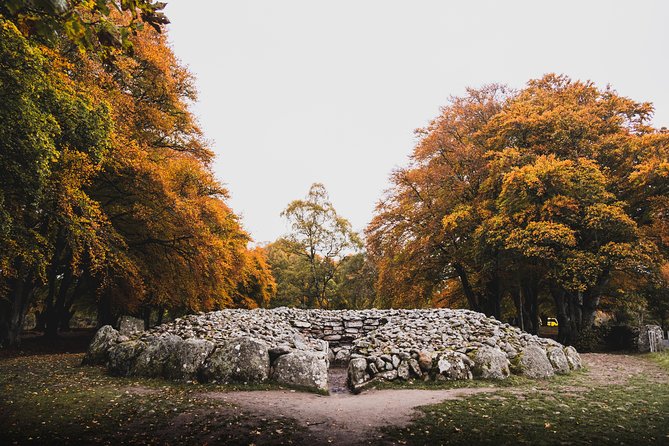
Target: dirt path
x,y
343,418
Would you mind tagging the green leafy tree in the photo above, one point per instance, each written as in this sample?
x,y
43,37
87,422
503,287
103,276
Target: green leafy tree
x,y
292,273
323,238
356,283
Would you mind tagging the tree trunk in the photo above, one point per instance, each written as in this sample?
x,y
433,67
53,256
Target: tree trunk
x,y
569,315
563,317
470,294
590,305
65,320
40,321
146,316
68,313
516,296
492,298
52,279
54,316
529,292
5,318
21,291
105,315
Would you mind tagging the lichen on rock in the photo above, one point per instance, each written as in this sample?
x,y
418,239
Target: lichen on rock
x,y
238,360
302,369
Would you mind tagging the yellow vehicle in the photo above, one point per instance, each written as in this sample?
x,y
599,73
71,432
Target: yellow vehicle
x,y
551,322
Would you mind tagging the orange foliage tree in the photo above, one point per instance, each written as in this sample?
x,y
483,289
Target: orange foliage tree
x,y
559,188
113,198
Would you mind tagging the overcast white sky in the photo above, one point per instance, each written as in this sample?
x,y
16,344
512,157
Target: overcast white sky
x,y
296,92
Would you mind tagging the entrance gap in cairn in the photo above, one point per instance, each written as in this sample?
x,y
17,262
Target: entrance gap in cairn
x,y
339,329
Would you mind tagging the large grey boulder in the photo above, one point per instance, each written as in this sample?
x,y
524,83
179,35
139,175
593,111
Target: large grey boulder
x,y
98,350
534,362
357,372
414,367
558,360
128,325
122,357
403,370
152,361
453,366
490,363
187,359
237,360
303,369
573,358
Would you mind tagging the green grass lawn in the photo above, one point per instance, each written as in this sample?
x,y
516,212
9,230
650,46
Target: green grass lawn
x,y
564,410
662,359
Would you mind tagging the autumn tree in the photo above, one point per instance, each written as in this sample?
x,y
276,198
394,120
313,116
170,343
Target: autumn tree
x,y
322,237
554,190
90,25
557,218
55,140
188,246
107,190
423,234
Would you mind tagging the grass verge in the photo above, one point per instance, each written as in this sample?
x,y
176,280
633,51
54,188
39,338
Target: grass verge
x,y
50,399
660,358
563,410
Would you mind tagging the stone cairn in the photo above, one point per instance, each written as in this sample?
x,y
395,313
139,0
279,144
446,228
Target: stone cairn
x,y
295,347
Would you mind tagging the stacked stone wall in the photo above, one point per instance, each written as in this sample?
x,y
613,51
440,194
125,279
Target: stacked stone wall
x,y
338,328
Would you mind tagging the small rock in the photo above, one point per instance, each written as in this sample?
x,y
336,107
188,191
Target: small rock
x,y
415,367
128,325
388,375
425,360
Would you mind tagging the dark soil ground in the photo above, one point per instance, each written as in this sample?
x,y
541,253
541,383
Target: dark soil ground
x,y
46,397
34,343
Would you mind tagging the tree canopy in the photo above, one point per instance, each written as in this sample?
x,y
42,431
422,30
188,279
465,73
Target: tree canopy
x,y
556,189
107,191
